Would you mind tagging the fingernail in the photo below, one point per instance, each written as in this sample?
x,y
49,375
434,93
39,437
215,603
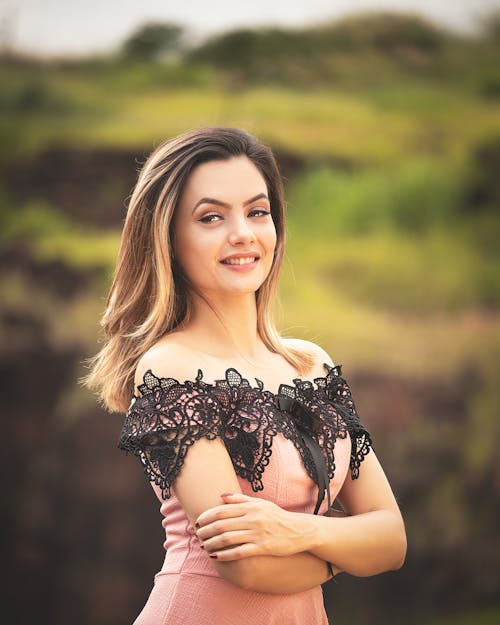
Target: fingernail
x,y
197,525
214,556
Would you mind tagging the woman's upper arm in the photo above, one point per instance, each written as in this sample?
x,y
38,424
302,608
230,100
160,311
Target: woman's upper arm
x,y
206,469
369,491
207,472
177,440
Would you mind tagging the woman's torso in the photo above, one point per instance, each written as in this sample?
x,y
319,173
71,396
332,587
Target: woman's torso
x,y
187,586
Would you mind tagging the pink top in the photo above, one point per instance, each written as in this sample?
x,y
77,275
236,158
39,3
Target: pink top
x,y
188,590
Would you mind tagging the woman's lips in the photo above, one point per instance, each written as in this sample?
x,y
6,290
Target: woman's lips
x,y
241,263
240,260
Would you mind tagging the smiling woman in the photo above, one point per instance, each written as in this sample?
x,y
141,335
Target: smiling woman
x,y
220,239
188,325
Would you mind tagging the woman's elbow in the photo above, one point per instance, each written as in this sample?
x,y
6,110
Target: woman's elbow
x,y
404,547
241,573
391,552
400,546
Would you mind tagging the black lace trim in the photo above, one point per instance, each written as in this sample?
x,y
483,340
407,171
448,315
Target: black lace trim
x,y
338,392
169,416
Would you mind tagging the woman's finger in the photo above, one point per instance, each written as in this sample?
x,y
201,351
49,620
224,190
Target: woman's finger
x,y
221,527
229,509
218,513
237,498
236,553
226,540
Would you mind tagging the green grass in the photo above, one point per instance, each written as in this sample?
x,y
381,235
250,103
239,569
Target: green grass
x,y
51,235
359,316
435,274
135,106
414,196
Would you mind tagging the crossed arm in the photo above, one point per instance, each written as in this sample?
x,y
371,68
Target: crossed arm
x,y
257,545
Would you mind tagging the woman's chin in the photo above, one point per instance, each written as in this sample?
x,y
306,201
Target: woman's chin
x,y
237,288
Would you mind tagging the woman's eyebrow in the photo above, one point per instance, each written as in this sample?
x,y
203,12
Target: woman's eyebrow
x,y
211,200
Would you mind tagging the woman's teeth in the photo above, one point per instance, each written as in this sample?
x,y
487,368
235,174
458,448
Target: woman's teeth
x,y
239,261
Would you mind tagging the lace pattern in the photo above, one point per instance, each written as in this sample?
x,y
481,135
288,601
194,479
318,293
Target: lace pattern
x,y
168,417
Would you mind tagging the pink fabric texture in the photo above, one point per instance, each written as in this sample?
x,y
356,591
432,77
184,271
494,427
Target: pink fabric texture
x,y
189,591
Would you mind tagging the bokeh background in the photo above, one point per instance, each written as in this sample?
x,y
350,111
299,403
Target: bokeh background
x,y
386,126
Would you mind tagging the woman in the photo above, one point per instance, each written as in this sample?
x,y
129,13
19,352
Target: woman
x,y
245,436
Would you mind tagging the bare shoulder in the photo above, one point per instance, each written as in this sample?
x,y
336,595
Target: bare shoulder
x,y
318,353
169,358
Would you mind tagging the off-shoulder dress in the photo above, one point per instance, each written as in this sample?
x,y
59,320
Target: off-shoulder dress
x,y
266,435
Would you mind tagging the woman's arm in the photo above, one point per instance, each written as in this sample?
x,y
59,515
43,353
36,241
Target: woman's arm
x,y
373,538
370,541
207,472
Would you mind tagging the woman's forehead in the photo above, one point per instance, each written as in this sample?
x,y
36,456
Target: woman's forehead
x,y
233,180
234,176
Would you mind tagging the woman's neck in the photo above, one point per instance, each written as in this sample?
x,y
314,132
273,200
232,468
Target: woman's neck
x,y
227,327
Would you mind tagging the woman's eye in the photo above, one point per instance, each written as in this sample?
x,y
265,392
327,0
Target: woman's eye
x,y
212,217
208,219
259,212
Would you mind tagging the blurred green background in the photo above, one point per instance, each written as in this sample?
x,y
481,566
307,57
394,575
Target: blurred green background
x,y
387,131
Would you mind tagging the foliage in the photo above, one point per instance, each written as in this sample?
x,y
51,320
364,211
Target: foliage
x,y
33,94
491,25
408,86
50,235
154,40
313,55
413,197
483,181
387,32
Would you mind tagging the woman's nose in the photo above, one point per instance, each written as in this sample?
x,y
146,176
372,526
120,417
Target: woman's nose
x,y
241,231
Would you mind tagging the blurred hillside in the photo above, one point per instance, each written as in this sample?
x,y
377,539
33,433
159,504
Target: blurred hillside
x,y
387,130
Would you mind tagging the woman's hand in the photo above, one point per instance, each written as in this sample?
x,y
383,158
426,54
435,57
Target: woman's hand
x,y
249,526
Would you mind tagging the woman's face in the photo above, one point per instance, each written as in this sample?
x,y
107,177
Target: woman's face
x,y
224,236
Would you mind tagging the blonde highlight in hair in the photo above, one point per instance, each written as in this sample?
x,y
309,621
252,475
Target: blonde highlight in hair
x,y
149,295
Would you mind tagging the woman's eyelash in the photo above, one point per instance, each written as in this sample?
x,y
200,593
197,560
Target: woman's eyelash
x,y
260,210
212,216
207,219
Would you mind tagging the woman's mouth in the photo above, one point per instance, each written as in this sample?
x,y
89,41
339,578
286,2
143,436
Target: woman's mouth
x,y
239,261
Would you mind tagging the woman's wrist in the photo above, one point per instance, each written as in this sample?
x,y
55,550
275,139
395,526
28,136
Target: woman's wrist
x,y
311,531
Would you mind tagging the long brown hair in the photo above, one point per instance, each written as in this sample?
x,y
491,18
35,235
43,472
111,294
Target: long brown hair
x,y
148,297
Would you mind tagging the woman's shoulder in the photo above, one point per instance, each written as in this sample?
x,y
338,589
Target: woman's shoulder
x,y
171,357
167,358
318,354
